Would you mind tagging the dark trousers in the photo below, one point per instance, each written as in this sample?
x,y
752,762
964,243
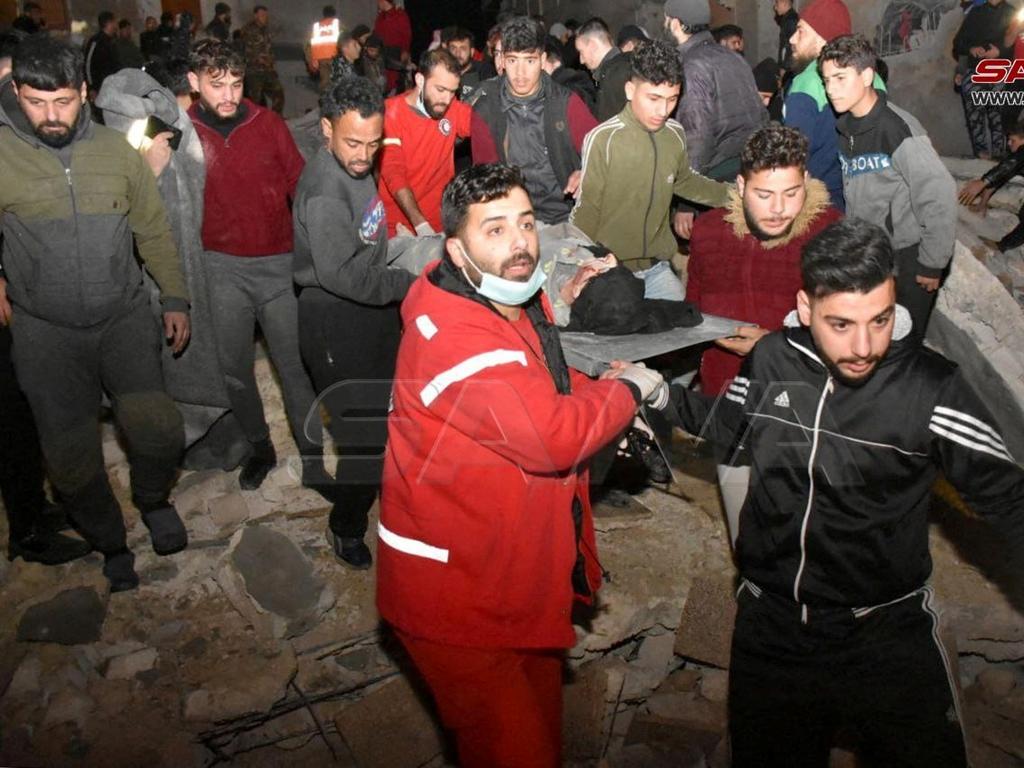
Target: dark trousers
x,y
63,373
882,677
350,350
915,299
21,460
265,87
1015,237
247,290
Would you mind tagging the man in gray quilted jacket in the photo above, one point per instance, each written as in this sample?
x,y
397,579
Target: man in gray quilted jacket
x,y
720,107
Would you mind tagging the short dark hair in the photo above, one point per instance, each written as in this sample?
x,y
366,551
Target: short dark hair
x,y
257,8
595,27
438,57
850,256
220,8
521,34
451,34
359,30
1016,127
351,94
124,24
47,64
32,7
172,74
166,17
774,146
329,12
478,184
105,18
656,62
849,51
726,31
553,49
215,56
8,44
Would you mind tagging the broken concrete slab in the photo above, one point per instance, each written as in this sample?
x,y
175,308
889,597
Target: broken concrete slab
x,y
272,583
243,686
228,512
584,710
131,664
705,628
69,705
26,680
714,685
391,727
73,617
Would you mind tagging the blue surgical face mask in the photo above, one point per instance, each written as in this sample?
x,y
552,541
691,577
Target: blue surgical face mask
x,y
511,293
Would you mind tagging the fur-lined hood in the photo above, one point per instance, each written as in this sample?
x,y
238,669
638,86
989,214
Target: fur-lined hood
x,y
817,202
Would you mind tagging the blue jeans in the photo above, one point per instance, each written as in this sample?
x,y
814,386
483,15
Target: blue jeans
x,y
660,282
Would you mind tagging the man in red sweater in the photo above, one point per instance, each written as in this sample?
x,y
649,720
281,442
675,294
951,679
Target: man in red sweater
x,y
745,258
745,261
394,29
418,159
485,527
252,167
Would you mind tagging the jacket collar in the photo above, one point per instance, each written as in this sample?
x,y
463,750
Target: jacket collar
x,y
602,68
509,100
848,125
815,204
701,38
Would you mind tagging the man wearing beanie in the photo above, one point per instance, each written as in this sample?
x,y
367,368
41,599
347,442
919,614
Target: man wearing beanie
x,y
806,106
720,108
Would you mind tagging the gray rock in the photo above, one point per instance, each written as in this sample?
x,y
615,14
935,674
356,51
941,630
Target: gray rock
x,y
271,583
73,617
128,666
228,512
390,728
69,705
26,678
714,685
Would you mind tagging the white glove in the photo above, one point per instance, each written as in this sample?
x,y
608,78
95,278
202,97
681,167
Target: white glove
x,y
424,228
645,379
659,398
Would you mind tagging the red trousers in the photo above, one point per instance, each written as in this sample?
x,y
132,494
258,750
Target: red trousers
x,y
503,706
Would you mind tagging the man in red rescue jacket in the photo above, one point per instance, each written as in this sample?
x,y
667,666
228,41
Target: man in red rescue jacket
x,y
485,529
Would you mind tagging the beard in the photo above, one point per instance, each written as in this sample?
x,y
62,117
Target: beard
x,y
211,110
759,233
801,62
435,110
842,378
57,139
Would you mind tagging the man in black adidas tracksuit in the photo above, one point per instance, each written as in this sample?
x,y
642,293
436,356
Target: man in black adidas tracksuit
x,y
847,426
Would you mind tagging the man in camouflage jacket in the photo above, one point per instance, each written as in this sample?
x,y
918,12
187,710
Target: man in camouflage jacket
x,y
262,84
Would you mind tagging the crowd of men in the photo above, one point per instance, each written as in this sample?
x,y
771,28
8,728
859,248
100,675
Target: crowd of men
x,y
152,220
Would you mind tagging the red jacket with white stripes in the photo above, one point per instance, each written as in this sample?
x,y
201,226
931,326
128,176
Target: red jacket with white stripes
x,y
485,458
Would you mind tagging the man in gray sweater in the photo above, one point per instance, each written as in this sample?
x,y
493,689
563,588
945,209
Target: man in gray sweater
x,y
349,325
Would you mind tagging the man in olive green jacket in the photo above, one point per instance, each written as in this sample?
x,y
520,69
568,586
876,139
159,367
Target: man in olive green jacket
x,y
75,196
633,164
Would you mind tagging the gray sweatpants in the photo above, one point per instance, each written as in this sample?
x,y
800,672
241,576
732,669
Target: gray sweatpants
x,y
63,373
245,290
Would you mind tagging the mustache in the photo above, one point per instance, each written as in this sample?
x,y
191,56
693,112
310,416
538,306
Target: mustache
x,y
520,257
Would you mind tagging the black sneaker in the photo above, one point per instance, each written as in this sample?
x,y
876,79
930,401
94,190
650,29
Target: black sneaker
x,y
119,568
352,552
643,447
166,530
257,466
47,548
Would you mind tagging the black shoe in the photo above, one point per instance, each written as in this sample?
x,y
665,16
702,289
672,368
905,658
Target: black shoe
x,y
643,447
47,548
257,466
352,552
53,519
119,568
166,530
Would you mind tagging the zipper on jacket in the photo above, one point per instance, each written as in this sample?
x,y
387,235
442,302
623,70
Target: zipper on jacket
x,y
78,244
826,390
654,180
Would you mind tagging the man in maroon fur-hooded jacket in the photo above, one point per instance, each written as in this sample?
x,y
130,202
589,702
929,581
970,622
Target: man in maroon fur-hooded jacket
x,y
745,257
